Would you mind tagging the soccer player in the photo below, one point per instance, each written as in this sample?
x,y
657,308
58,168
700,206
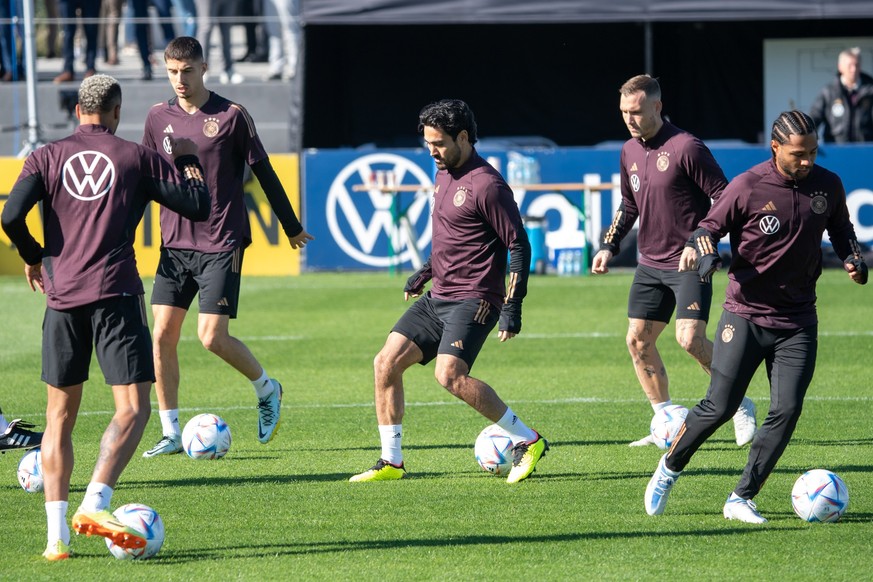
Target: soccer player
x,y
94,188
17,435
668,177
475,220
206,258
776,213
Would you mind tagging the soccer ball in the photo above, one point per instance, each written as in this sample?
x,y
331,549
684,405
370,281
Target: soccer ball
x,y
206,436
145,520
30,471
819,495
666,424
493,450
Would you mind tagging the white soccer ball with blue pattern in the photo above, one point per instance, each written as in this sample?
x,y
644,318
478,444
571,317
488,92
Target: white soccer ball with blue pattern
x,y
819,495
206,436
146,521
666,424
30,471
493,450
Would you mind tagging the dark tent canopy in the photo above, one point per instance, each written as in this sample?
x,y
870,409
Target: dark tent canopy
x,y
545,11
548,68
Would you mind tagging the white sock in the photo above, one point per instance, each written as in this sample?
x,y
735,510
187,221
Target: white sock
x,y
98,496
170,422
660,405
3,424
56,516
263,386
391,436
518,431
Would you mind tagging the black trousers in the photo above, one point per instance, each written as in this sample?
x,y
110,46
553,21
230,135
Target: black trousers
x,y
739,348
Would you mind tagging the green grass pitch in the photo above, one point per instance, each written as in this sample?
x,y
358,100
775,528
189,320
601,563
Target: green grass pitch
x,y
285,511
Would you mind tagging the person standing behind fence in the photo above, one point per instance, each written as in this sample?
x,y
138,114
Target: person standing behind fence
x,y
90,12
844,107
283,31
212,15
93,188
668,177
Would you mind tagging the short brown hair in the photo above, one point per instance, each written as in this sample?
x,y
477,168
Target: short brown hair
x,y
645,83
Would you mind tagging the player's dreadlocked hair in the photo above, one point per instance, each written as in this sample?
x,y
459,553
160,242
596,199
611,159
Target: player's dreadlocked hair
x,y
451,116
791,123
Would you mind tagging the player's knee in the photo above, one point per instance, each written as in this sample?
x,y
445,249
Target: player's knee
x,y
384,364
635,343
451,378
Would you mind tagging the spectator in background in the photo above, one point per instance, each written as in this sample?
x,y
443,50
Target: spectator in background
x,y
51,31
256,34
89,10
283,32
220,14
110,12
843,109
186,15
7,44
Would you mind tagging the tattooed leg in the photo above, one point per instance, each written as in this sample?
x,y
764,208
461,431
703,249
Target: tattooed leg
x,y
641,337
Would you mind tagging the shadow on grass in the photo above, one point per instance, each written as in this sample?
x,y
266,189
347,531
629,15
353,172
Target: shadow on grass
x,y
310,548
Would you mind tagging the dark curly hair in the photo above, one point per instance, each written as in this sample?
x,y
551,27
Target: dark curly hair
x,y
451,116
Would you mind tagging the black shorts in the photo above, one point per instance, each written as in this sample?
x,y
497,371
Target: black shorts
x,y
655,293
119,329
182,273
439,326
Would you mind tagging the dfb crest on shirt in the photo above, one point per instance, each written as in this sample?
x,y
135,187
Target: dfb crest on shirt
x,y
459,197
210,127
663,161
819,203
769,224
88,175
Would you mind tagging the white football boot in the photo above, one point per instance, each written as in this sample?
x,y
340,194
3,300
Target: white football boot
x,y
742,510
745,424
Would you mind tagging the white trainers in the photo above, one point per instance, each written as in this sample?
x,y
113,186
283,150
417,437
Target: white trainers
x,y
269,409
659,487
645,441
742,510
745,425
168,445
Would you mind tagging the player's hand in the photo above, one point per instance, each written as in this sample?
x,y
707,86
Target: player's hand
x,y
33,274
857,269
505,335
182,146
688,260
299,241
707,265
598,265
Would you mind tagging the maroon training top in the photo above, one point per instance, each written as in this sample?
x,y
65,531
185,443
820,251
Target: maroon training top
x,y
475,220
228,141
667,182
94,188
776,226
